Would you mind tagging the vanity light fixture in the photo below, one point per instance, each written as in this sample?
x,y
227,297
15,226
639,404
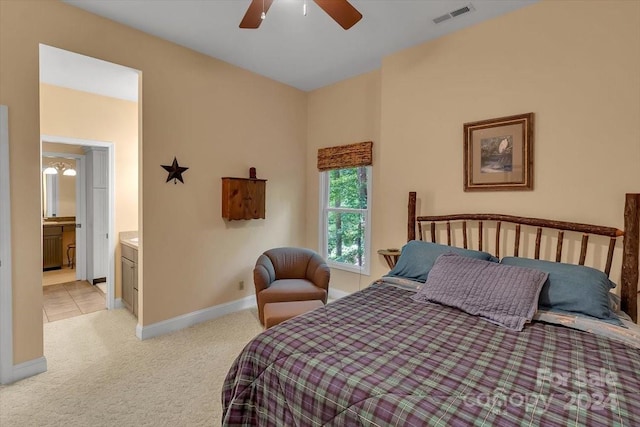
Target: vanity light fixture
x,y
55,168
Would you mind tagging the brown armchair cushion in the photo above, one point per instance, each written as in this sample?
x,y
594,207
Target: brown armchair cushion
x,y
290,274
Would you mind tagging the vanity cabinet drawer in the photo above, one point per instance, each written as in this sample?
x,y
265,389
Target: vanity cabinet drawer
x,y
129,253
52,230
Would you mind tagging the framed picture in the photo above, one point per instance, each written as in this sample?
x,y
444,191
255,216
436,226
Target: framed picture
x,y
498,154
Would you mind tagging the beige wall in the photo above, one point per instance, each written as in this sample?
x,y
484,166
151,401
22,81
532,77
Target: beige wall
x,y
343,113
579,78
576,65
217,119
74,114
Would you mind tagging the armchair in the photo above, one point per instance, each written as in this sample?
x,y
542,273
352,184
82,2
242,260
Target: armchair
x,y
290,274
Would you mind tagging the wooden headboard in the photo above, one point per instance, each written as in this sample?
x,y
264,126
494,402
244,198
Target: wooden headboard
x,y
630,234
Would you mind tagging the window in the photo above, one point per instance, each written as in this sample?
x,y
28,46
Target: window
x,y
345,227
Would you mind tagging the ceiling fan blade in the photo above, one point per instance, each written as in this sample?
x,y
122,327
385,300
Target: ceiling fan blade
x,y
252,18
341,11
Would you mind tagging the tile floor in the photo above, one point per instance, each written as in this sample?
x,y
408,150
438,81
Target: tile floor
x,y
103,287
71,299
53,277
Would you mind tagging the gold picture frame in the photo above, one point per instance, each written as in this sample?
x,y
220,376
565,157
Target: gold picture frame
x,y
498,154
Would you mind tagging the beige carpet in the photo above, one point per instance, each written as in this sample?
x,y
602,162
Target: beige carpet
x,y
100,374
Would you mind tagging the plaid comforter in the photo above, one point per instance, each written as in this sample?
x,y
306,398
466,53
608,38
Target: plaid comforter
x,y
377,358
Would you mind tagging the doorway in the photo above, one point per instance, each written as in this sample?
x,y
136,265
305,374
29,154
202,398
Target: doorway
x,y
77,227
92,106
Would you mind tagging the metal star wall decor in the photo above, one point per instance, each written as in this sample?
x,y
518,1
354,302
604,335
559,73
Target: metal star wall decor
x,y
175,171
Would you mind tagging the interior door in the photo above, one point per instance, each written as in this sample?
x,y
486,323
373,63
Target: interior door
x,y
101,232
97,214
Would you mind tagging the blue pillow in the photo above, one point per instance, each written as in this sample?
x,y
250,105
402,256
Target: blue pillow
x,y
417,258
572,288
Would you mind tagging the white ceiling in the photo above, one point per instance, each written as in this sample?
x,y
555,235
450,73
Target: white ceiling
x,y
67,69
306,52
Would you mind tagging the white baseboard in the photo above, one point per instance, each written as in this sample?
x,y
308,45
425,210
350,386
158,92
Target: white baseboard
x,y
118,303
337,293
29,368
193,318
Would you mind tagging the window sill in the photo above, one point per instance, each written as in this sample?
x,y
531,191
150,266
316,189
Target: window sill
x,y
349,268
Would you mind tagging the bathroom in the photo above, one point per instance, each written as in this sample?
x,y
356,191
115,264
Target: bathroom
x,y
65,292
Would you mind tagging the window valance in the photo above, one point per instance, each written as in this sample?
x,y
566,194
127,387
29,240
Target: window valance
x,y
345,156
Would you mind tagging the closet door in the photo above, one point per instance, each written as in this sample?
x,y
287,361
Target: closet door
x,y
97,214
100,232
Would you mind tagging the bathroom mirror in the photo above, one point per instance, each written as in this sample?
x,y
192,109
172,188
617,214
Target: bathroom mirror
x,y
58,189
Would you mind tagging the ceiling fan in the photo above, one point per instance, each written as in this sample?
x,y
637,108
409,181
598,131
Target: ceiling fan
x,y
340,10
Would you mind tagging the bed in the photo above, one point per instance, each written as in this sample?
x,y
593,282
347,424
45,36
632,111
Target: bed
x,y
382,356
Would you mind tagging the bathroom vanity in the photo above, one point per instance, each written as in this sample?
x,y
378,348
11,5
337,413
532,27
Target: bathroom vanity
x,y
57,235
129,261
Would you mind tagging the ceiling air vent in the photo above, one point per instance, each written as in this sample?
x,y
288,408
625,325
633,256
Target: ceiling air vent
x,y
454,13
442,18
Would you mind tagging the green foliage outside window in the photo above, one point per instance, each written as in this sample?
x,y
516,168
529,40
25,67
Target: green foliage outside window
x,y
346,230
